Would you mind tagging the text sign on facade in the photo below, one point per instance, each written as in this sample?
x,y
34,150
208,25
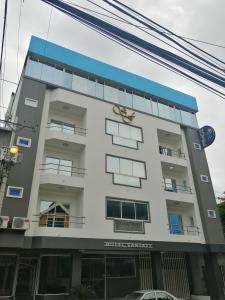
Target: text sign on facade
x,y
127,245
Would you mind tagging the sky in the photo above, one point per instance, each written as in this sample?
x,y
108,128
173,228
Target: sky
x,y
202,19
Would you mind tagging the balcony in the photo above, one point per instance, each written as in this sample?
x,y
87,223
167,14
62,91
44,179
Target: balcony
x,y
171,152
181,217
175,178
62,210
171,147
62,174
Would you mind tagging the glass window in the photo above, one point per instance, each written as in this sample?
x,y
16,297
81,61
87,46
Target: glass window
x,y
113,209
127,180
126,171
163,296
149,296
141,211
65,167
172,115
124,130
91,87
80,84
138,169
112,127
124,142
31,102
128,99
155,108
178,115
124,209
126,167
148,107
51,165
124,135
136,134
120,267
33,68
135,296
121,97
163,110
113,164
68,79
100,89
128,210
55,269
111,94
93,269
7,273
138,102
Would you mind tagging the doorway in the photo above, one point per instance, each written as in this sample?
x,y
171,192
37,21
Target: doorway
x,y
26,278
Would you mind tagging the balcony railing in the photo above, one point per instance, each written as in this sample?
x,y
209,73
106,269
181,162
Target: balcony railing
x,y
58,169
171,152
58,220
183,229
169,187
67,129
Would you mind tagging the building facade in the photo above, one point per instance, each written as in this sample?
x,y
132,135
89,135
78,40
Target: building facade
x,y
113,190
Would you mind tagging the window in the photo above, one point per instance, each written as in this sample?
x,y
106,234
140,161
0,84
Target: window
x,y
118,267
54,214
163,296
170,184
149,296
31,102
204,178
125,209
7,272
23,142
124,135
55,269
126,171
211,214
62,127
58,166
197,146
14,192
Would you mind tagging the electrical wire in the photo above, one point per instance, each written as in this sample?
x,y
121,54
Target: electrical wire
x,y
159,32
115,31
142,29
160,26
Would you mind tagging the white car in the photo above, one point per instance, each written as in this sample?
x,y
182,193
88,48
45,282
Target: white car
x,y
150,295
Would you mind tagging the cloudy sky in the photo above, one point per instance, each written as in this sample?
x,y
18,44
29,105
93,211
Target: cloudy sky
x,y
201,19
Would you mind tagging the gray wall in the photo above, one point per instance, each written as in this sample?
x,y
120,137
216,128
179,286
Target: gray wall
x,y
205,194
5,136
22,174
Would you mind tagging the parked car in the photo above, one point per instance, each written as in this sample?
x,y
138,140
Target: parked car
x,y
150,295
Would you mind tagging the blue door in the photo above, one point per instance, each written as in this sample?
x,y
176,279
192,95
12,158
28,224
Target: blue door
x,y
175,224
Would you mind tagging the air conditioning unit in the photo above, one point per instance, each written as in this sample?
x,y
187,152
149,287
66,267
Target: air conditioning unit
x,y
4,220
19,223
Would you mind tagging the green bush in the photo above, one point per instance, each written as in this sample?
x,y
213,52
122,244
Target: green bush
x,y
83,292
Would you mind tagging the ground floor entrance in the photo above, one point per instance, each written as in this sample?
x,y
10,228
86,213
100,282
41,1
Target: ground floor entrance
x,y
111,274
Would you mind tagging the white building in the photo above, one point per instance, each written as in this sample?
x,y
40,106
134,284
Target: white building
x,y
113,189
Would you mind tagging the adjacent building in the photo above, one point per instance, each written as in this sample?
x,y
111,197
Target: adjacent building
x,y
113,189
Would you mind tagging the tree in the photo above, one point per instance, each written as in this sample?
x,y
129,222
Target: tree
x,y
221,208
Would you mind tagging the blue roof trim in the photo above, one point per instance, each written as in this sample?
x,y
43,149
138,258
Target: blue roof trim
x,y
90,65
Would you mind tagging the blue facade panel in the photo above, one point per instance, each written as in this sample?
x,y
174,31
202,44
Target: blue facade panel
x,y
90,65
